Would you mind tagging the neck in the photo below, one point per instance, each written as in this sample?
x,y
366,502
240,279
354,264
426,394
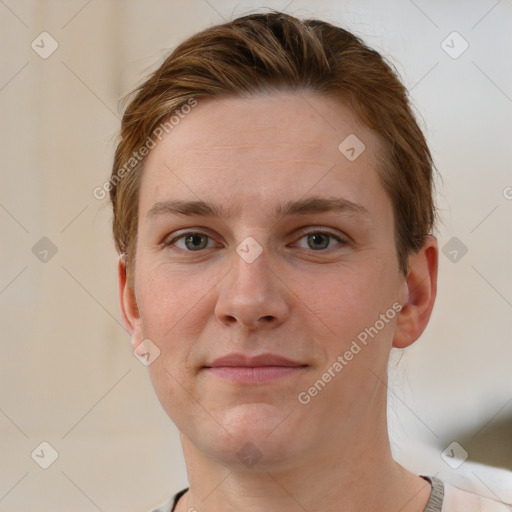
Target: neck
x,y
348,471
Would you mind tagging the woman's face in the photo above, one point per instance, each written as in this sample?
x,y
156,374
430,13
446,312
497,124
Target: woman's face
x,y
296,259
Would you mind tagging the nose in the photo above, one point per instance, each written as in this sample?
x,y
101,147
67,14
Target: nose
x,y
252,295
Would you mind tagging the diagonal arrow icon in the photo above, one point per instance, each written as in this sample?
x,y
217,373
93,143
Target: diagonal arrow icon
x,y
147,352
454,249
249,252
44,45
454,455
351,147
44,250
454,45
44,455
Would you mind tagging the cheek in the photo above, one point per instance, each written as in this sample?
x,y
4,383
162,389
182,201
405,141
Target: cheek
x,y
337,307
350,328
176,305
170,297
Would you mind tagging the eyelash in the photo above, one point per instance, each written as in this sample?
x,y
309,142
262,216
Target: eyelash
x,y
341,241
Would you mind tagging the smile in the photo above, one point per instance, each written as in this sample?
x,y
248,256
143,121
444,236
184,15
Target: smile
x,y
238,368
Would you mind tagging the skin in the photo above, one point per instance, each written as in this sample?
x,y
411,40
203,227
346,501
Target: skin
x,y
306,298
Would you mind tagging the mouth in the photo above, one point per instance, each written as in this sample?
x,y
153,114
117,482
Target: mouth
x,y
241,369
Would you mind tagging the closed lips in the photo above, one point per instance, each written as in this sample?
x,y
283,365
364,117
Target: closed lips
x,y
241,360
243,370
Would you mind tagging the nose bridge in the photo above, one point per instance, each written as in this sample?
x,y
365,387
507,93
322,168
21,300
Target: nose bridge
x,y
251,274
251,293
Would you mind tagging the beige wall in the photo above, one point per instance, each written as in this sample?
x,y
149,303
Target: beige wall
x,y
67,374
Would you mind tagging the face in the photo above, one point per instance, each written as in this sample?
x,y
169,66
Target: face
x,y
261,243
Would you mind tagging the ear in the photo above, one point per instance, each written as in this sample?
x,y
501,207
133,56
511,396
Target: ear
x,y
420,294
128,304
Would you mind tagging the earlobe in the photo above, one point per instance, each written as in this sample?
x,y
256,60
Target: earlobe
x,y
128,304
421,290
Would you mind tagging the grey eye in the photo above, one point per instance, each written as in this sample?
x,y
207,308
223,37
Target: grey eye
x,y
318,240
191,241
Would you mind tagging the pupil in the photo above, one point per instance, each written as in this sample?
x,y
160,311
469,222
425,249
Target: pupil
x,y
194,240
316,238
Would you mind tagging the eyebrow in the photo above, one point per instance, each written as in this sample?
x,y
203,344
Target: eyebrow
x,y
307,206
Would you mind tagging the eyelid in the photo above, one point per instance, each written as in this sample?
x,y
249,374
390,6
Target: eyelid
x,y
342,237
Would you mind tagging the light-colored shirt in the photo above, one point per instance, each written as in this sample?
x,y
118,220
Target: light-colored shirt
x,y
444,497
456,500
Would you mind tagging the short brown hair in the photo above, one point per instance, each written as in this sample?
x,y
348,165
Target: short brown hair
x,y
277,52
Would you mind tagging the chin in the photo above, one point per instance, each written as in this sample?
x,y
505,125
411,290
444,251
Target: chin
x,y
256,437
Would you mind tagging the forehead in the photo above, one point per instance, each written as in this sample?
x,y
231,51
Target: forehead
x,y
252,152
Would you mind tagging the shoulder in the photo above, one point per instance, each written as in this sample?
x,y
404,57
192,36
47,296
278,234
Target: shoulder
x,y
456,499
170,504
165,507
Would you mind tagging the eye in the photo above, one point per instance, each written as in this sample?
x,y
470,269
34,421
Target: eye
x,y
195,241
191,241
320,240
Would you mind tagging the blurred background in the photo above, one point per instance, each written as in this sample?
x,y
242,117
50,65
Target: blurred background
x,y
80,426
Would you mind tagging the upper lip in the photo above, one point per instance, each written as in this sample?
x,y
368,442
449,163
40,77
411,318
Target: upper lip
x,y
253,361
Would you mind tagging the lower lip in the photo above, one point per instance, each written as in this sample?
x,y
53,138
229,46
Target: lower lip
x,y
253,374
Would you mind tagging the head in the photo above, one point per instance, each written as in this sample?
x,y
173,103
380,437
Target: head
x,y
273,193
